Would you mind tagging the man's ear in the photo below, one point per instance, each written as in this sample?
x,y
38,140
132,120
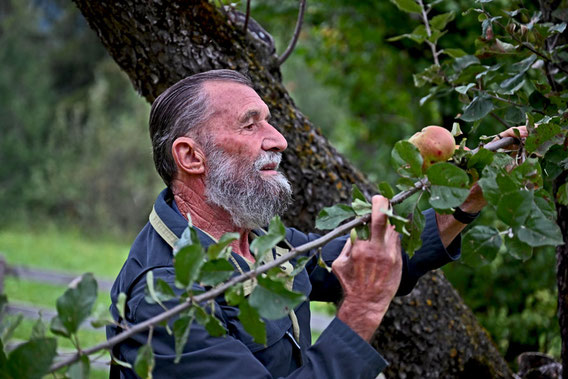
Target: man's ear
x,y
188,156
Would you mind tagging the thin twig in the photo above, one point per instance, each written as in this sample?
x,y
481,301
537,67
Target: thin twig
x,y
297,30
429,33
529,47
503,122
247,17
310,248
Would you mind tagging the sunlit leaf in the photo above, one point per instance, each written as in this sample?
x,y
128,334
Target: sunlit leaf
x,y
361,207
331,217
562,194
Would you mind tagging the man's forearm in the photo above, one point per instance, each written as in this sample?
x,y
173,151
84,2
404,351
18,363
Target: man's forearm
x,y
363,319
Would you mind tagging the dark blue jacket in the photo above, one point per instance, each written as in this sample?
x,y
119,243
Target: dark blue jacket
x,y
338,353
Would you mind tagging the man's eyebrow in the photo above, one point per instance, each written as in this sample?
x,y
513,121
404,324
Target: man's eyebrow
x,y
253,113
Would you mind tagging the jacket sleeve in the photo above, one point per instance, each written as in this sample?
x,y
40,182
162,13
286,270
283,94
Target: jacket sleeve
x,y
432,255
339,352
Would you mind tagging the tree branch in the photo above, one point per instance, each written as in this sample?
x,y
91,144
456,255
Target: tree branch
x,y
213,293
429,32
247,17
297,30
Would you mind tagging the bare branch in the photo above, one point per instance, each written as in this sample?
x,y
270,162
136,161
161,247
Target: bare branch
x,y
297,30
503,122
247,17
429,32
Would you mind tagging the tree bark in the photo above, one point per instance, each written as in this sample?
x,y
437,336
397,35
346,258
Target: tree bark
x,y
562,278
429,333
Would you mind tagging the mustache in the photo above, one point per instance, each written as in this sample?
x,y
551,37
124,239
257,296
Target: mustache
x,y
268,157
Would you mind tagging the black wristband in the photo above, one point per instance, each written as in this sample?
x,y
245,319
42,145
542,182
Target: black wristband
x,y
465,217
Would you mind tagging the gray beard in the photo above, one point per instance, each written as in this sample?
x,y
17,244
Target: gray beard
x,y
252,199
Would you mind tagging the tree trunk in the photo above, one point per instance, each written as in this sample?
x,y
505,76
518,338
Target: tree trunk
x,y
157,43
562,281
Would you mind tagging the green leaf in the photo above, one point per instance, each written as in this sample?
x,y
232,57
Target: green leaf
x,y
253,324
454,53
479,107
181,330
544,137
539,230
480,244
562,194
272,299
430,74
101,317
187,264
511,85
158,292
121,305
463,62
38,330
235,294
331,217
144,363
409,6
515,207
80,369
218,250
463,89
543,201
300,265
514,115
449,185
479,160
356,193
76,304
361,207
440,21
406,159
517,248
413,241
386,190
210,322
188,237
264,244
215,272
31,359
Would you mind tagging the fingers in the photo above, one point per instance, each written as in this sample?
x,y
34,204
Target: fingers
x,y
522,130
343,257
378,218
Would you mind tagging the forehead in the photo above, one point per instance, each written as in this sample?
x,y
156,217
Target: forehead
x,y
233,99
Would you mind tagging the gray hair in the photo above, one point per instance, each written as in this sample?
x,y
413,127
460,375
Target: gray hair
x,y
180,111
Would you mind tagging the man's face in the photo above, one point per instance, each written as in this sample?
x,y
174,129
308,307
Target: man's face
x,y
243,152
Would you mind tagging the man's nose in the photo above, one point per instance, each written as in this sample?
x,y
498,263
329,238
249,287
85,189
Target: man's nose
x,y
274,140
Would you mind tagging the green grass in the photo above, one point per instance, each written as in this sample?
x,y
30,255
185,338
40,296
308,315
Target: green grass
x,y
68,251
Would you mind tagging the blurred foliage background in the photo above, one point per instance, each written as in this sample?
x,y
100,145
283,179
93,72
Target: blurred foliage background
x,y
76,154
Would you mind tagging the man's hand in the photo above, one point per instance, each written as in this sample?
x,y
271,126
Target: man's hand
x,y
448,226
369,272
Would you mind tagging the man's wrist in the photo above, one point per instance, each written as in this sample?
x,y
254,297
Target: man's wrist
x,y
363,318
465,217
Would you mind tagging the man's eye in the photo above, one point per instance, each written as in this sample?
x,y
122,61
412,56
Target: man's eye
x,y
249,127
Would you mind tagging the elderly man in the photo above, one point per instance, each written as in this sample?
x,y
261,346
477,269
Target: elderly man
x,y
218,155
